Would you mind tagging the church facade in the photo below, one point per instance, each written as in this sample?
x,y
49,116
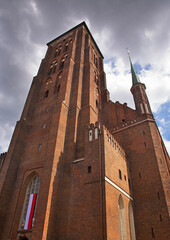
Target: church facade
x,y
80,166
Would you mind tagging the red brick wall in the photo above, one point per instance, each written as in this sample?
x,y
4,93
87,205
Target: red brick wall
x,y
149,183
114,161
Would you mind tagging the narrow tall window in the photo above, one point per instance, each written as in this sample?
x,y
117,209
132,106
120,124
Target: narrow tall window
x,y
57,83
96,133
90,135
129,183
50,70
153,235
28,212
54,67
62,64
58,88
63,61
46,94
89,169
158,195
39,147
66,47
97,104
56,53
120,174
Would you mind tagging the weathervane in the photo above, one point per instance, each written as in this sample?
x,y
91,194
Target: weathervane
x,y
128,51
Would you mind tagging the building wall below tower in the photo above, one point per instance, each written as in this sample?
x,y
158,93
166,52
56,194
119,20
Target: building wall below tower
x,y
116,188
143,148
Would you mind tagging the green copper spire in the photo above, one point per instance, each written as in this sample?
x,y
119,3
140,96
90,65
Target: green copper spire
x,y
135,78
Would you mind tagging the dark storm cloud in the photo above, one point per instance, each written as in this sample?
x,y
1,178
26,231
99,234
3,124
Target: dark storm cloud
x,y
26,26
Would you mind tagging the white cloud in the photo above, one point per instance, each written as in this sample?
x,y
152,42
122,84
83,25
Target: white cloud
x,y
162,121
102,38
6,131
34,7
31,8
149,34
119,82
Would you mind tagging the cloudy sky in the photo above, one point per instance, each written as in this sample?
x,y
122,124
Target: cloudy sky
x,y
141,25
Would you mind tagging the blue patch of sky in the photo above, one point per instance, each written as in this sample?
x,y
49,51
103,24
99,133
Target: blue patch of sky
x,y
112,60
139,68
162,118
116,73
147,67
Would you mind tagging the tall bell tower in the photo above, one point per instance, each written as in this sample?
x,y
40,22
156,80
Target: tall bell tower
x,y
63,99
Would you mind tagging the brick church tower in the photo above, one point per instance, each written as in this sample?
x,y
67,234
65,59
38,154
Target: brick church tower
x,y
80,166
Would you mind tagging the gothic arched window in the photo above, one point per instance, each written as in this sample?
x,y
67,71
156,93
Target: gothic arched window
x,y
57,51
30,202
63,61
66,47
53,67
131,222
122,221
58,83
